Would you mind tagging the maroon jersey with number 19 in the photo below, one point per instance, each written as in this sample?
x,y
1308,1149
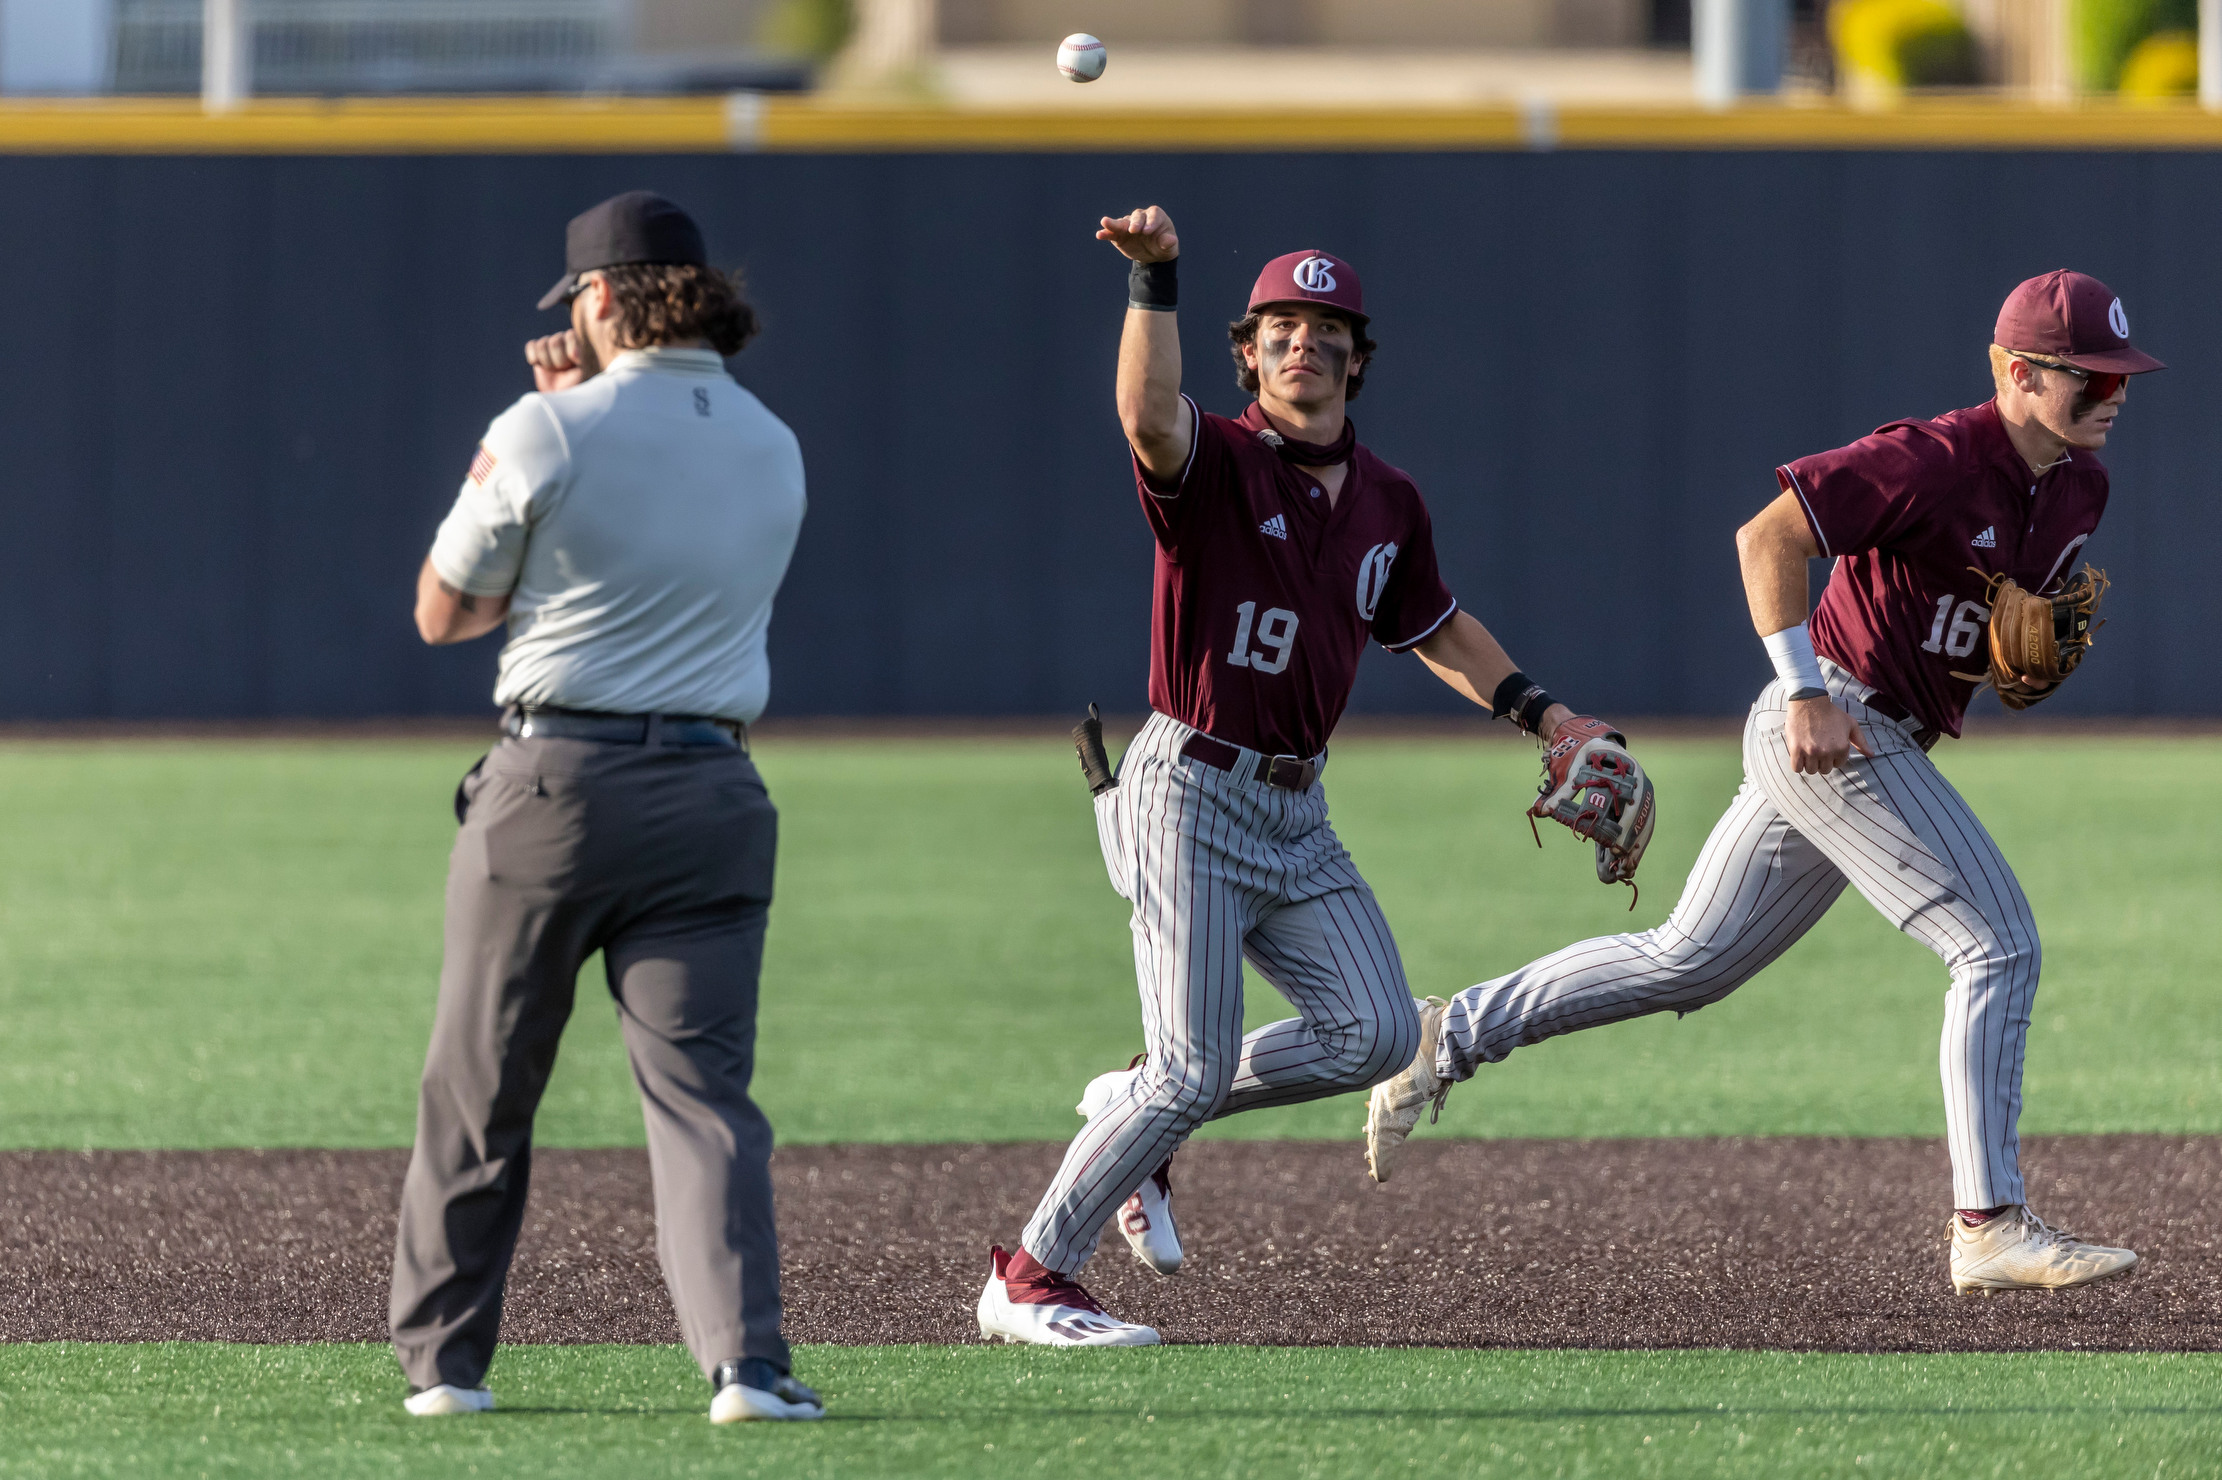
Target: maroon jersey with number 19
x,y
1922,514
1266,597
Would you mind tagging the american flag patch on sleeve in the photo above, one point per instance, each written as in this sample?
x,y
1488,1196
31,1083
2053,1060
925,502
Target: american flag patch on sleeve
x,y
482,466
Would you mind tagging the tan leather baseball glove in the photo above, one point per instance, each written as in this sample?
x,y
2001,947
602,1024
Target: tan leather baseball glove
x,y
2036,641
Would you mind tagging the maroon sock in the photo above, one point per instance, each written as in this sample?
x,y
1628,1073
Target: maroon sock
x,y
1025,1272
1977,1217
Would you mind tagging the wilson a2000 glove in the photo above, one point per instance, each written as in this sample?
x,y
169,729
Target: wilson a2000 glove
x,y
2040,639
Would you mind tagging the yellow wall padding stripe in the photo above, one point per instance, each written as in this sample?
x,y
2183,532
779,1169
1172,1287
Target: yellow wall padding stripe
x,y
717,124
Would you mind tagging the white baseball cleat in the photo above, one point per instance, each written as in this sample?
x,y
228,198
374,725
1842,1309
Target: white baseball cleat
x,y
447,1398
1105,1088
1393,1109
1062,1314
2016,1251
755,1389
1146,1218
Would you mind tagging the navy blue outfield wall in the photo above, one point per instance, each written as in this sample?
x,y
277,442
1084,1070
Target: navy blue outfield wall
x,y
240,393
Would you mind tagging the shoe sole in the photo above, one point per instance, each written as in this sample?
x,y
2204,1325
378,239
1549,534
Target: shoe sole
x,y
987,1334
445,1407
1974,1290
768,1408
1381,1149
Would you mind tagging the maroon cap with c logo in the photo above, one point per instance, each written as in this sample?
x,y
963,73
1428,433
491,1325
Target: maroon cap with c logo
x,y
2073,317
1311,277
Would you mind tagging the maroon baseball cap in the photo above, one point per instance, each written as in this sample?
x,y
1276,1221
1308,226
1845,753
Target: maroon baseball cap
x,y
1311,277
2072,317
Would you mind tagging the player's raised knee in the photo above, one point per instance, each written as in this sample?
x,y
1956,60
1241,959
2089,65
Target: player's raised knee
x,y
1377,1047
1195,1097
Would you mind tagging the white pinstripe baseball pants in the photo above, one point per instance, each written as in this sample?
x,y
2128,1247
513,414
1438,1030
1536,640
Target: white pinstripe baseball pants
x,y
1893,828
1219,870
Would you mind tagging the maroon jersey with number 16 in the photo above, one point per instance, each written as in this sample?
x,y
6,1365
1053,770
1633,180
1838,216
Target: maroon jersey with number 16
x,y
1922,514
1266,597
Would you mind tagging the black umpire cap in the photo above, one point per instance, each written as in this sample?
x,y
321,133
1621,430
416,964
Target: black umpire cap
x,y
638,226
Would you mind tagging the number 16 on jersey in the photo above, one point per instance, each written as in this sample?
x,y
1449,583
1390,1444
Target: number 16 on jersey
x,y
1275,630
1967,628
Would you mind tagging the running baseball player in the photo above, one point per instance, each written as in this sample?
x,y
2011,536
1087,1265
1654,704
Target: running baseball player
x,y
1956,545
1283,547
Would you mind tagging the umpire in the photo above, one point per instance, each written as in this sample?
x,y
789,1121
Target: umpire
x,y
630,520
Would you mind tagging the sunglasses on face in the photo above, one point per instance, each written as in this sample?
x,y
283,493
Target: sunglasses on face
x,y
2098,385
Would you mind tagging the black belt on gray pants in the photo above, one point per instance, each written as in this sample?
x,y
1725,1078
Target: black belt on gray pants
x,y
1883,704
625,729
1289,772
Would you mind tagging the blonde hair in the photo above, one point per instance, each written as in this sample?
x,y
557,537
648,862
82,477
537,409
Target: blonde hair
x,y
2002,363
2002,373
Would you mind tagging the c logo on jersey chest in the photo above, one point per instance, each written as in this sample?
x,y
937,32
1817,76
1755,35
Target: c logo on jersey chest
x,y
1373,578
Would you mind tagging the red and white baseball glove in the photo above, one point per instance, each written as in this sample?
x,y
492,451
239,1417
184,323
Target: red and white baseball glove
x,y
1594,786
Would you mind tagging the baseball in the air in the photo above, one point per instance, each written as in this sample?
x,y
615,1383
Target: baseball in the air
x,y
1080,57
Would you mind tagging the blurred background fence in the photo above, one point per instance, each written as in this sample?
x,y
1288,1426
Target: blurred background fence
x,y
1626,255
1199,51
323,46
245,390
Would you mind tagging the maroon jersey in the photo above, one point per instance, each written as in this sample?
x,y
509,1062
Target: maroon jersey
x,y
1920,513
1266,596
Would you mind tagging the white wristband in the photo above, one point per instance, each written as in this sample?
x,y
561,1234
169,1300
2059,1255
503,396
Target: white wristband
x,y
1794,659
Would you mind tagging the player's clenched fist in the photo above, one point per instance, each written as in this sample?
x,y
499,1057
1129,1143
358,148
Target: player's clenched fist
x,y
1821,737
1145,235
558,361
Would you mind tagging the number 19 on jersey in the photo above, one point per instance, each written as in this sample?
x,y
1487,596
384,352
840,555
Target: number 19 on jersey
x,y
1275,630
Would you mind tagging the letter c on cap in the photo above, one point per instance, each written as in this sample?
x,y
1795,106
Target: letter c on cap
x,y
2117,320
1313,276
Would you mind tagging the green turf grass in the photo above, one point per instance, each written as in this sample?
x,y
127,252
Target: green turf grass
x,y
208,944
335,1411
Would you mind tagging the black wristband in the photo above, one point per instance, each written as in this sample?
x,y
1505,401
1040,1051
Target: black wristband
x,y
1154,285
1808,694
1521,700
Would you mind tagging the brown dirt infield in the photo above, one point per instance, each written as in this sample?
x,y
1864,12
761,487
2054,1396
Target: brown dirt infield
x,y
1784,1243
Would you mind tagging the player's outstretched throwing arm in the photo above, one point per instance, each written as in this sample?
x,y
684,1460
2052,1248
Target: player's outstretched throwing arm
x,y
1157,421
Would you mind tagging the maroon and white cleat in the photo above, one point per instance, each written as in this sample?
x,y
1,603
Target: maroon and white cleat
x,y
1146,1218
1040,1308
1147,1221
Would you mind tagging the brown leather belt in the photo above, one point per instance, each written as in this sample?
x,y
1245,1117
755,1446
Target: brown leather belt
x,y
1285,771
1890,708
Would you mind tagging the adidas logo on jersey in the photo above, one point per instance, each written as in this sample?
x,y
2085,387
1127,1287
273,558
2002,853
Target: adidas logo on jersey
x,y
1987,540
1276,527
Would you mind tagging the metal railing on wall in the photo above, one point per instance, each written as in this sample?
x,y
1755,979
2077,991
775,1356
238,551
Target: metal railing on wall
x,y
340,46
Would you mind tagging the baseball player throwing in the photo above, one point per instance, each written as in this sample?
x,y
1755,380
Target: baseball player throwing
x,y
1955,543
1283,548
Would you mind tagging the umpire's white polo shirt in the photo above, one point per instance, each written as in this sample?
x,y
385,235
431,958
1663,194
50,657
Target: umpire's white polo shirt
x,y
640,523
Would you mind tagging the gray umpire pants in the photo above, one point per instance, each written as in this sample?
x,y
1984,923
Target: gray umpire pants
x,y
1891,827
1220,870
661,858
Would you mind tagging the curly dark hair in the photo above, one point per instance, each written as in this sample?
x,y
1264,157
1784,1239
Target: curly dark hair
x,y
661,303
1244,331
